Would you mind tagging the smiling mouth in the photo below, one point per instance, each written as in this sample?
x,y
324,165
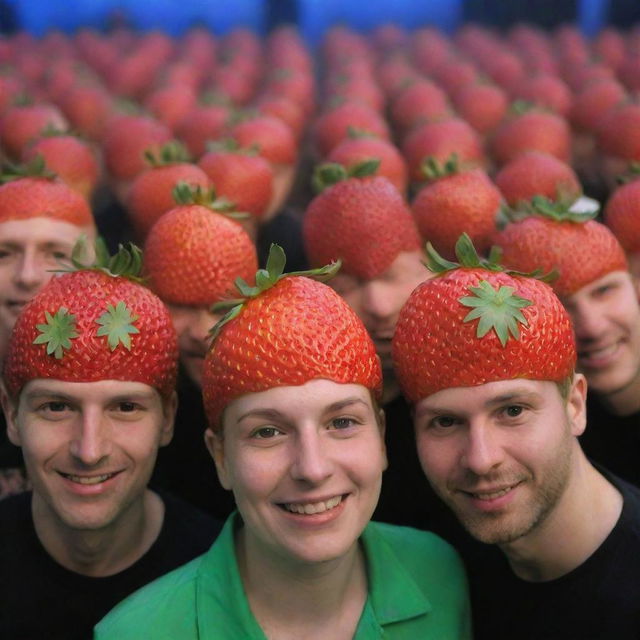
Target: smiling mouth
x,y
491,495
88,479
594,355
311,508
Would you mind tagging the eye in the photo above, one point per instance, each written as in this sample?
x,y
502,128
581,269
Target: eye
x,y
55,406
444,422
264,433
128,407
513,411
342,423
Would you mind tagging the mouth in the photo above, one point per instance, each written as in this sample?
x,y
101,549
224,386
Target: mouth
x,y
311,508
16,306
598,357
491,495
88,480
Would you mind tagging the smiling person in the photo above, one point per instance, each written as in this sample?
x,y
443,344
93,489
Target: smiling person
x,y
89,378
602,299
291,389
40,220
497,421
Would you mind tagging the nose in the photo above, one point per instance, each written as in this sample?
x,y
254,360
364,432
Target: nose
x,y
380,301
588,322
483,450
312,462
91,444
29,271
203,322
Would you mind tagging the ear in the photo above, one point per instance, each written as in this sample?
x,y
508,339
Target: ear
x,y
382,424
169,408
215,444
10,408
576,405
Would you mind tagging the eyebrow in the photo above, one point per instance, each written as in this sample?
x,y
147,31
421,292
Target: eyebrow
x,y
274,414
515,394
34,394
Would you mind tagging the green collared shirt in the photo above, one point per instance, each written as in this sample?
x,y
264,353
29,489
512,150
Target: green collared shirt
x,y
417,590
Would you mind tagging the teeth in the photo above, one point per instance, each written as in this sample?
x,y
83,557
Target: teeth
x,y
599,353
313,507
493,495
88,479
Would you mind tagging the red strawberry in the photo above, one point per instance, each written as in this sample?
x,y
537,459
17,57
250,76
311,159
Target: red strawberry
x,y
68,156
482,105
193,255
364,222
273,138
240,176
171,103
581,249
545,90
533,130
535,173
357,149
94,324
37,193
88,110
151,193
594,101
333,126
440,140
489,326
202,124
622,215
455,202
619,132
421,101
321,335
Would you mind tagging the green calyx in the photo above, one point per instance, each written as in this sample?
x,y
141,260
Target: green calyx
x,y
186,194
468,258
520,107
265,279
559,211
172,152
117,324
330,173
230,145
632,173
432,168
126,263
35,168
497,309
57,332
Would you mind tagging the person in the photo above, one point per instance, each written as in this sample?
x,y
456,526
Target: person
x,y
498,410
381,256
192,257
89,397
602,298
40,220
299,441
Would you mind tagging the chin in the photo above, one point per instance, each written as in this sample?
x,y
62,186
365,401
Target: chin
x,y
193,367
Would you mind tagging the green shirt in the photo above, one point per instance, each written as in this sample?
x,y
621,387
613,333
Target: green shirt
x,y
417,590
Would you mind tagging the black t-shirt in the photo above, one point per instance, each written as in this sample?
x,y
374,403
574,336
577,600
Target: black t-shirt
x,y
599,600
613,441
41,599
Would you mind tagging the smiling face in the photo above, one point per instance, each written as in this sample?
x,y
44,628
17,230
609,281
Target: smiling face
x,y
29,250
500,454
89,447
606,319
305,465
378,301
192,325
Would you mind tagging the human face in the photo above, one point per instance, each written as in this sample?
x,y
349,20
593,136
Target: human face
x,y
378,301
192,325
606,319
89,447
305,465
500,454
29,250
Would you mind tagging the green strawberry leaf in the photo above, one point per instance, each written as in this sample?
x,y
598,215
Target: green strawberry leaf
x,y
326,175
57,332
117,324
497,309
364,168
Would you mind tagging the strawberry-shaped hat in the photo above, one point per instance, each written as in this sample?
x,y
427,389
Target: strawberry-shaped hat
x,y
193,254
32,191
581,249
361,220
474,323
287,330
94,323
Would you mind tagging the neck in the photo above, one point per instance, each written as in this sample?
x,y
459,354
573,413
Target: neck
x,y
306,600
100,552
579,523
390,389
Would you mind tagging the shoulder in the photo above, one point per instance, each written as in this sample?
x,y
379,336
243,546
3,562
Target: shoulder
x,y
164,608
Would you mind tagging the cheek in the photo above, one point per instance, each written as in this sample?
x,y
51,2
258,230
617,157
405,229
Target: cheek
x,y
437,458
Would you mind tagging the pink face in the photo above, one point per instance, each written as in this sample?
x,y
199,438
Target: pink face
x,y
500,454
378,301
29,250
89,447
192,325
305,465
606,319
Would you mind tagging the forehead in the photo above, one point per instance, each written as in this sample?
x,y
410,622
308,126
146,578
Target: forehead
x,y
314,396
407,265
469,399
622,278
40,231
101,390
